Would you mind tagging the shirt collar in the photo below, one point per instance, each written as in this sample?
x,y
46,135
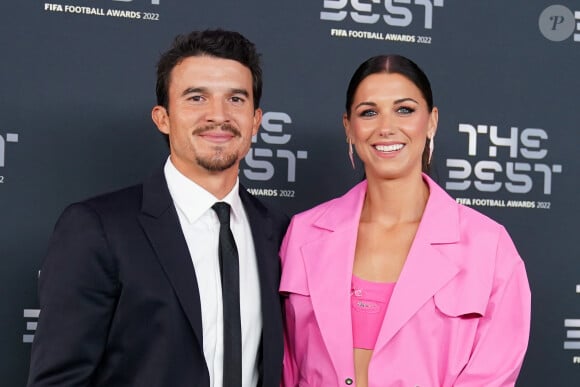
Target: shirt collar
x,y
193,200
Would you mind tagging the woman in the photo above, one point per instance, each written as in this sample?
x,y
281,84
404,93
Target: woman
x,y
394,283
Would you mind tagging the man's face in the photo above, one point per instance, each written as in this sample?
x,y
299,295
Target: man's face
x,y
211,118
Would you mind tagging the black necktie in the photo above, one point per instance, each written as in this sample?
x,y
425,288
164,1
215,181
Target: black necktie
x,y
229,268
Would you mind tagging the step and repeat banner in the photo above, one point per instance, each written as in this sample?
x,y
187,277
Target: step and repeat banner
x,y
77,84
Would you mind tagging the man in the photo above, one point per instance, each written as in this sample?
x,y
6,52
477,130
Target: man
x,y
130,290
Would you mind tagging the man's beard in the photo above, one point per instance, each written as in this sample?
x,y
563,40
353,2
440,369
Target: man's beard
x,y
218,162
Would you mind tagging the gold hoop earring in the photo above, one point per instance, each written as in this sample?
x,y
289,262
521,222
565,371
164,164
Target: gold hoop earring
x,y
431,148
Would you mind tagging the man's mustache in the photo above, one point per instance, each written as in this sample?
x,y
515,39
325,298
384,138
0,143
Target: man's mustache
x,y
224,127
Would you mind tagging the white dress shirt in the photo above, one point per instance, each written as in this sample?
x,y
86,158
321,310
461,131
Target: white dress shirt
x,y
200,227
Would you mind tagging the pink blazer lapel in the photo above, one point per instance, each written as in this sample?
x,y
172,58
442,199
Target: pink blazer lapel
x,y
329,262
428,267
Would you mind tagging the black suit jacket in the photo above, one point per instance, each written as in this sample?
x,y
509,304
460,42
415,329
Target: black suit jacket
x,y
119,298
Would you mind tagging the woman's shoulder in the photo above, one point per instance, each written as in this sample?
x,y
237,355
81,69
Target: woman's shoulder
x,y
467,216
345,202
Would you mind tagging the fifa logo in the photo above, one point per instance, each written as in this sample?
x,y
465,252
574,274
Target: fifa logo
x,y
8,138
526,165
31,318
259,160
572,326
393,12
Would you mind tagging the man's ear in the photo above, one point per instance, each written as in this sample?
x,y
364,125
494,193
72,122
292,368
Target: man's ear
x,y
257,121
160,117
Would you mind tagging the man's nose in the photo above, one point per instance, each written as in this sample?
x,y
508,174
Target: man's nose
x,y
217,111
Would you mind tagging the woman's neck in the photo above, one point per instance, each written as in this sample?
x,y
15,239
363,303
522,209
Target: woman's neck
x,y
395,201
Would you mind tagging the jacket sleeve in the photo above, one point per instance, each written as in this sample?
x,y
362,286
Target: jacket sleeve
x,y
502,337
77,295
289,370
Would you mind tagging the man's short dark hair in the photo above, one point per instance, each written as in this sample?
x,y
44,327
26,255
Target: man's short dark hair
x,y
217,43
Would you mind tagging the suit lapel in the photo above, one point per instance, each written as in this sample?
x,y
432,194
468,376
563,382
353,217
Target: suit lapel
x,y
329,262
266,252
161,225
428,267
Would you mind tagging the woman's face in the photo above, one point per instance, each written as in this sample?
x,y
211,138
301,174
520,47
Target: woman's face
x,y
389,124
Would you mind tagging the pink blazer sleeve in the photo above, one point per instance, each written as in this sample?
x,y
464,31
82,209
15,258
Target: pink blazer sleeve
x,y
503,334
289,370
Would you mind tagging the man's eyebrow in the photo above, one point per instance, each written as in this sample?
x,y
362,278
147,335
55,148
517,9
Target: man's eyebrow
x,y
190,90
243,92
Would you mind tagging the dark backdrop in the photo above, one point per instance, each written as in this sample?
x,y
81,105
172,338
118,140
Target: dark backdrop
x,y
77,86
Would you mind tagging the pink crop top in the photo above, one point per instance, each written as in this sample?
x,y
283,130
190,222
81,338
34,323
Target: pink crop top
x,y
369,302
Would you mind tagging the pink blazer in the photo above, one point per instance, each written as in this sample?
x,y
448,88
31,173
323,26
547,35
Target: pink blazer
x,y
459,314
